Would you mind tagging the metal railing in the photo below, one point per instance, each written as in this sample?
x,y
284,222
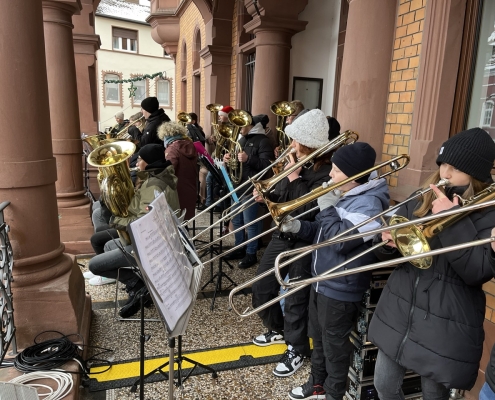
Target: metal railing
x,y
7,327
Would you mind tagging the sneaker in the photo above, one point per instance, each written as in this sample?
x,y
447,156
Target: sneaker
x,y
309,390
88,275
248,261
134,303
269,338
290,362
100,280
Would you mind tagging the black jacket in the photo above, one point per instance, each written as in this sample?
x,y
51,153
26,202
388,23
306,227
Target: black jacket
x,y
196,133
150,130
287,191
259,151
431,320
135,133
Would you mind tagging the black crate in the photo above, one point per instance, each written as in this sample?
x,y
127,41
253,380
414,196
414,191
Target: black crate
x,y
362,324
379,279
365,390
363,360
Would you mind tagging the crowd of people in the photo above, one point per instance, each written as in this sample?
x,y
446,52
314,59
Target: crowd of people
x,y
429,321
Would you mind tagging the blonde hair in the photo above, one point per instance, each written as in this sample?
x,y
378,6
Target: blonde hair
x,y
168,129
425,206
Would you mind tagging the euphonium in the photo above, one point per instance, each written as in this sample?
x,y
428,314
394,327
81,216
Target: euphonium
x,y
224,137
114,178
282,109
184,118
214,108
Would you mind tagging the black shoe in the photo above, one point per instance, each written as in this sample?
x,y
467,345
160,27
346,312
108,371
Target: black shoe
x,y
236,255
134,303
310,390
248,261
201,207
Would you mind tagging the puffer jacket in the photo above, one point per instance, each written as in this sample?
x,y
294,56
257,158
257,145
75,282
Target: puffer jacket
x,y
149,135
431,320
286,191
357,205
259,151
163,180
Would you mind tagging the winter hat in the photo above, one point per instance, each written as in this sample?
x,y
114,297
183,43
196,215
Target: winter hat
x,y
224,112
152,153
334,129
150,104
354,159
119,115
300,114
310,129
261,118
471,151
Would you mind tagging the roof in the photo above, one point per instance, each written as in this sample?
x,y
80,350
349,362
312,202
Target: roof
x,y
123,10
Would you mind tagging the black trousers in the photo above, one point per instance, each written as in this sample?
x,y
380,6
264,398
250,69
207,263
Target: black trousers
x,y
99,239
330,324
295,323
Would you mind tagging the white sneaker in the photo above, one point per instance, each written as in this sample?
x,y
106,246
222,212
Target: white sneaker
x,y
100,280
291,361
269,338
88,275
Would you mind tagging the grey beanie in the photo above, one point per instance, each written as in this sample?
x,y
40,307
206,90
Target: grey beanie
x,y
310,129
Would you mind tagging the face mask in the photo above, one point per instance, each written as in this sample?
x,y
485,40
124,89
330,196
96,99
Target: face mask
x,y
451,190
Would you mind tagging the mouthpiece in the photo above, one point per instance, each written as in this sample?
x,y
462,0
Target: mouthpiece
x,y
443,182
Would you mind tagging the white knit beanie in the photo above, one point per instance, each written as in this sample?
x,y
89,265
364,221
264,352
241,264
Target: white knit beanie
x,y
310,129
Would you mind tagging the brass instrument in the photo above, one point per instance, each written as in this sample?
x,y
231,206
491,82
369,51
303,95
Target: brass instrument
x,y
282,109
239,119
114,178
214,108
184,118
224,133
123,134
95,141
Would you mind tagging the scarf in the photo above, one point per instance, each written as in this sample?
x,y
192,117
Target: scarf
x,y
169,140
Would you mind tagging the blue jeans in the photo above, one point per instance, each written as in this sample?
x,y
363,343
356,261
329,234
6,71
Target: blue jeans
x,y
388,381
486,393
209,189
243,218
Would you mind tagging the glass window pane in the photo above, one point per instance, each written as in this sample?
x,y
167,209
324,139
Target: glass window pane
x,y
124,43
116,43
133,45
140,91
483,95
163,94
112,90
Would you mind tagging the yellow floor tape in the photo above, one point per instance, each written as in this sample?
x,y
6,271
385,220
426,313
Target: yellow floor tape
x,y
207,357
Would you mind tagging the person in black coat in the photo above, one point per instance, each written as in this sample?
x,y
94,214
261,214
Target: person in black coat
x,y
293,328
155,116
430,320
255,157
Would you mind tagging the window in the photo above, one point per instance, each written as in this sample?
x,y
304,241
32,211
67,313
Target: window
x,y
124,40
163,92
487,113
141,90
248,93
112,90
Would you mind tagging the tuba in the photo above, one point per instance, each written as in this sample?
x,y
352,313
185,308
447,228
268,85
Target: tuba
x,y
95,141
282,109
114,178
238,119
184,118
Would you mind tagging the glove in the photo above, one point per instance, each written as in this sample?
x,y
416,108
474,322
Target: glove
x,y
329,199
292,225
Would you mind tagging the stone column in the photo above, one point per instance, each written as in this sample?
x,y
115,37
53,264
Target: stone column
x,y
366,69
49,287
74,206
274,28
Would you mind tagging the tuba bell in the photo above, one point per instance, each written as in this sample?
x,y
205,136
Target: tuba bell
x,y
239,119
114,178
184,118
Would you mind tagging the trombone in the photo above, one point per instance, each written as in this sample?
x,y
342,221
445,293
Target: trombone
x,y
264,186
439,222
280,211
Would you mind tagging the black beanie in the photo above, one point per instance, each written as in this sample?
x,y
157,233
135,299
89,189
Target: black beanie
x,y
355,158
150,104
261,118
334,128
154,156
472,152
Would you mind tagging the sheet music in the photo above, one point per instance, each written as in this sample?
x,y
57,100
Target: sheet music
x,y
163,260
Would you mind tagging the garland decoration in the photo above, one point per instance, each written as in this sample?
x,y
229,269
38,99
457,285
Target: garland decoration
x,y
132,89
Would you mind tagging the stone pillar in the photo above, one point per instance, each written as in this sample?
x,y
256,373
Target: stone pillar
x,y
366,69
74,206
274,27
49,287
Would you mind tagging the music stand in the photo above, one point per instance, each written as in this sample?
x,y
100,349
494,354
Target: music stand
x,y
162,250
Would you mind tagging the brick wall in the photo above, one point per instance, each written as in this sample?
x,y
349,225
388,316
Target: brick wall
x,y
190,21
403,78
233,73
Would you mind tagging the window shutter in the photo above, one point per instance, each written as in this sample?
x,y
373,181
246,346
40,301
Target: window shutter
x,y
125,33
